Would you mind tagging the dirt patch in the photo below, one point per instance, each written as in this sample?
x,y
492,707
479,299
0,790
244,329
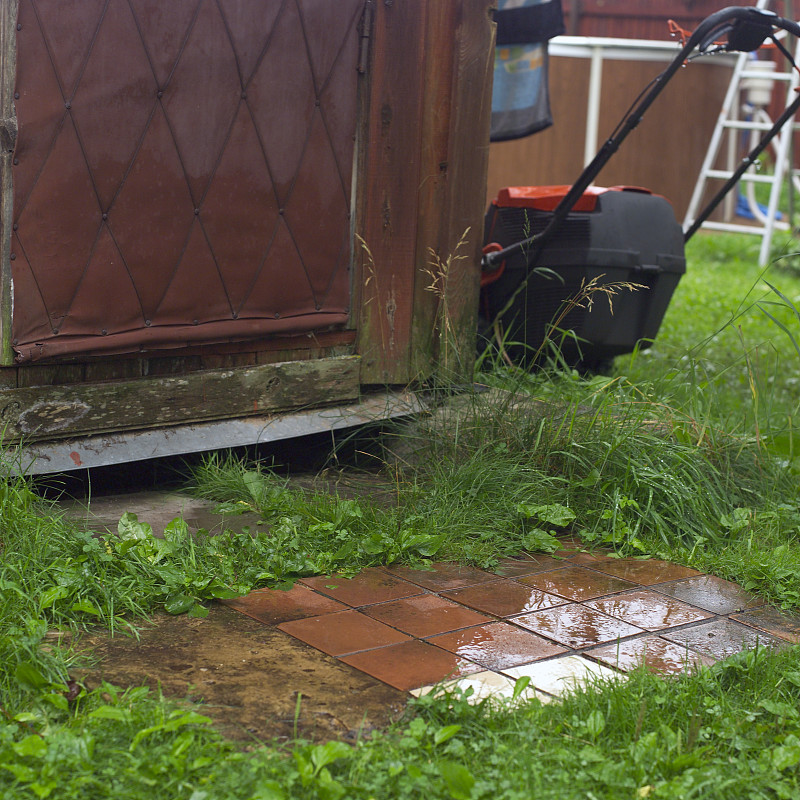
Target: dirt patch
x,y
247,677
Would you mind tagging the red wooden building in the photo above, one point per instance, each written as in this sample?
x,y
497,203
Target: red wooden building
x,y
216,211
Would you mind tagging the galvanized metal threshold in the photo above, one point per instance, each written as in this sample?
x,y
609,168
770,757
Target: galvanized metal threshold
x,y
85,452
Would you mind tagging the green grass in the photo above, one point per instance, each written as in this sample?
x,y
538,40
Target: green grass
x,y
687,452
731,731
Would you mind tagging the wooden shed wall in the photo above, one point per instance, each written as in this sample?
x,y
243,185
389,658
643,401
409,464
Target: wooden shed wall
x,y
645,19
663,154
424,87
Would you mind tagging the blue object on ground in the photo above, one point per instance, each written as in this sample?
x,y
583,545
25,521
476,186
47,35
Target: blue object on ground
x,y
743,209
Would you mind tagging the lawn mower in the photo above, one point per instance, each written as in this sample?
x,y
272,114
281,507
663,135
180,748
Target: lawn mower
x,y
592,270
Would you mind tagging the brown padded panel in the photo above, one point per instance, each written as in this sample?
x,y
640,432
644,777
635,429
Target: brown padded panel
x,y
182,172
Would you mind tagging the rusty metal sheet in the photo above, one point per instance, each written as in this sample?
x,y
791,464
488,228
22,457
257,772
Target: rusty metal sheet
x,y
86,452
182,172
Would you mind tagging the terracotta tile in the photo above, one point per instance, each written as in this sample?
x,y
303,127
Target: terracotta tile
x,y
560,675
575,625
503,598
576,583
443,575
649,610
484,685
657,654
425,615
275,605
345,632
589,559
712,594
526,565
372,585
497,645
571,544
411,664
784,624
644,571
722,638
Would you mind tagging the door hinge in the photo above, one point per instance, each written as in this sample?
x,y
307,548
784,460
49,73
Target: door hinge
x,y
366,30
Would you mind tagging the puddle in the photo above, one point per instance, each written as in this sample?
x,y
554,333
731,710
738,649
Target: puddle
x,y
246,676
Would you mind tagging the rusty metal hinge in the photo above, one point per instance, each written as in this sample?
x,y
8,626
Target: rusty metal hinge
x,y
366,30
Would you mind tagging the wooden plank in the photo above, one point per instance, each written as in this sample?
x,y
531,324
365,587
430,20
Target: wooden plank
x,y
388,186
468,163
49,375
458,80
8,138
116,370
434,184
47,413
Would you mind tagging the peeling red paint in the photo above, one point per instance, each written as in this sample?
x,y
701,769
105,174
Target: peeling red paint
x,y
76,458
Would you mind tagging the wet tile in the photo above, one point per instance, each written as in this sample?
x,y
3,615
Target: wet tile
x,y
576,583
712,594
503,598
484,685
722,638
644,571
649,610
411,664
784,624
576,626
425,615
570,545
344,632
526,565
497,645
444,575
589,559
560,675
657,654
372,585
274,605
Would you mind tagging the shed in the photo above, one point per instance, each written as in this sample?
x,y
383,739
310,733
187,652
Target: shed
x,y
218,217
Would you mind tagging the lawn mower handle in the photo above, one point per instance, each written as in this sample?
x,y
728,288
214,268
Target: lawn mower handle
x,y
746,28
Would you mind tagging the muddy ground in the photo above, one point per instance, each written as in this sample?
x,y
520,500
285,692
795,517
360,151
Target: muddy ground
x,y
246,675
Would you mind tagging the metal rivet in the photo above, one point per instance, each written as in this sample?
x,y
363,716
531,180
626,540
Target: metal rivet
x,y
16,95
277,315
104,332
235,315
105,216
15,226
244,95
13,256
68,106
55,331
318,307
159,93
194,322
19,26
281,211
196,211
16,161
15,342
147,323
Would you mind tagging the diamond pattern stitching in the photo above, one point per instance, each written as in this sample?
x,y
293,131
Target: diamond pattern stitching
x,y
223,193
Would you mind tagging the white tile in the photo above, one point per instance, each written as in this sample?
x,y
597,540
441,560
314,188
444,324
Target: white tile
x,y
559,675
484,685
